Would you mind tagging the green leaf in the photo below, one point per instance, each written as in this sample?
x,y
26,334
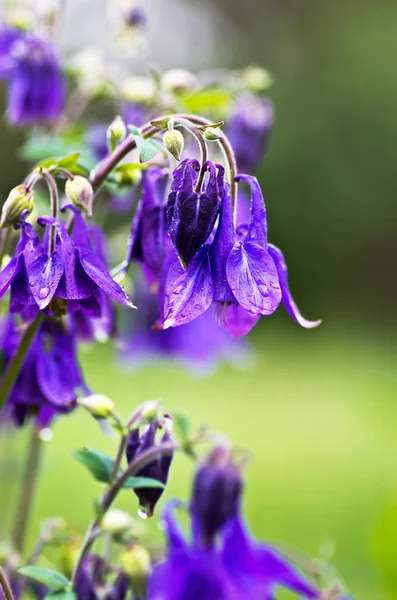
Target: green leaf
x,y
61,595
136,483
210,101
147,148
98,463
70,161
48,576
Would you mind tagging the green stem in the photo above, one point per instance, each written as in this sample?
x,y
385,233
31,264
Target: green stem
x,y
27,492
108,498
54,196
189,126
5,238
12,371
4,584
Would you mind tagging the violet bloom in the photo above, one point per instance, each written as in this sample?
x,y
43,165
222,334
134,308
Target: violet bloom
x,y
149,241
248,130
239,271
35,82
222,562
157,469
192,213
50,377
200,346
93,583
9,36
73,274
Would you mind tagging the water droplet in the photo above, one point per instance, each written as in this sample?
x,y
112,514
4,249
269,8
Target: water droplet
x,y
43,293
45,434
142,514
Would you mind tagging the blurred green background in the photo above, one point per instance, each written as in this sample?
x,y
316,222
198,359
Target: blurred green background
x,y
318,408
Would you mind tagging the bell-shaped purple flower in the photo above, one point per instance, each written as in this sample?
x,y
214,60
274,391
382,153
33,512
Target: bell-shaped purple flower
x,y
192,213
158,468
50,377
93,581
9,36
248,130
73,273
149,241
35,82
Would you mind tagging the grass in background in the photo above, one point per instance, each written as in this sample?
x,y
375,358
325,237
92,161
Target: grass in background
x,y
318,413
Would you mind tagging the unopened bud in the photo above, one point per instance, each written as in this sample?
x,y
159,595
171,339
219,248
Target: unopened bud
x,y
257,79
116,132
150,410
174,142
135,562
19,200
98,405
116,521
80,193
178,81
211,134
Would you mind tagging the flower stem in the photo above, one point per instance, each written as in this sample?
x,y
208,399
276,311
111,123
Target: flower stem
x,y
12,371
4,584
189,126
108,498
27,492
54,196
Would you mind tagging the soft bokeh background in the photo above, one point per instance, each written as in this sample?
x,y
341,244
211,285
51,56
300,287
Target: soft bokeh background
x,y
318,409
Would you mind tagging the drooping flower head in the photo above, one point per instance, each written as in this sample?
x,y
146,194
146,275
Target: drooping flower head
x,y
35,82
9,36
248,130
50,377
158,468
192,212
72,275
97,581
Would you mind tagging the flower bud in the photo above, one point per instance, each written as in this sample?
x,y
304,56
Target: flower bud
x,y
216,492
257,79
116,521
100,406
174,142
211,134
150,410
19,200
80,193
135,562
116,132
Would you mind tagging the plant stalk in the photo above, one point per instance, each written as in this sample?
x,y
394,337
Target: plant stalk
x,y
4,584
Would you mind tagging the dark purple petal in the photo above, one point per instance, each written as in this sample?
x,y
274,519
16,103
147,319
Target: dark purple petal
x,y
253,278
287,299
97,272
43,276
188,293
257,231
8,274
237,321
220,249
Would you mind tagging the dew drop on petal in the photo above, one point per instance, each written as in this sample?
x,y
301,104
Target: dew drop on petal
x,y
43,293
142,514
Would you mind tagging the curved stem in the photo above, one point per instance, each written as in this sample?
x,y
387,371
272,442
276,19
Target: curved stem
x,y
32,468
189,126
107,500
4,584
54,197
12,371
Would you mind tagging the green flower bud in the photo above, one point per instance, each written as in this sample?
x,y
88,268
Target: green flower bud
x,y
136,563
100,406
211,134
116,521
174,142
116,132
80,193
257,79
19,200
150,410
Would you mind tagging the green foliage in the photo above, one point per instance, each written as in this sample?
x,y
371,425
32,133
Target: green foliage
x,y
49,577
61,595
136,483
147,148
98,463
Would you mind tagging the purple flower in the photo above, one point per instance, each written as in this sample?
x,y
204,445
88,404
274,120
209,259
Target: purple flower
x,y
136,17
248,130
239,272
50,378
157,469
72,273
149,241
93,583
199,346
35,82
192,212
8,37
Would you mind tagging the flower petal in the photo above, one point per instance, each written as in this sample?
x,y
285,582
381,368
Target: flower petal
x,y
220,249
237,321
8,274
257,231
287,299
98,273
43,276
188,293
253,279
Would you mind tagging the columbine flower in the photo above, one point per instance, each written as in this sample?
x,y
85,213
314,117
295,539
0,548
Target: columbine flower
x,y
8,37
222,562
72,273
239,271
35,82
149,241
192,213
248,130
92,581
199,346
50,377
157,469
